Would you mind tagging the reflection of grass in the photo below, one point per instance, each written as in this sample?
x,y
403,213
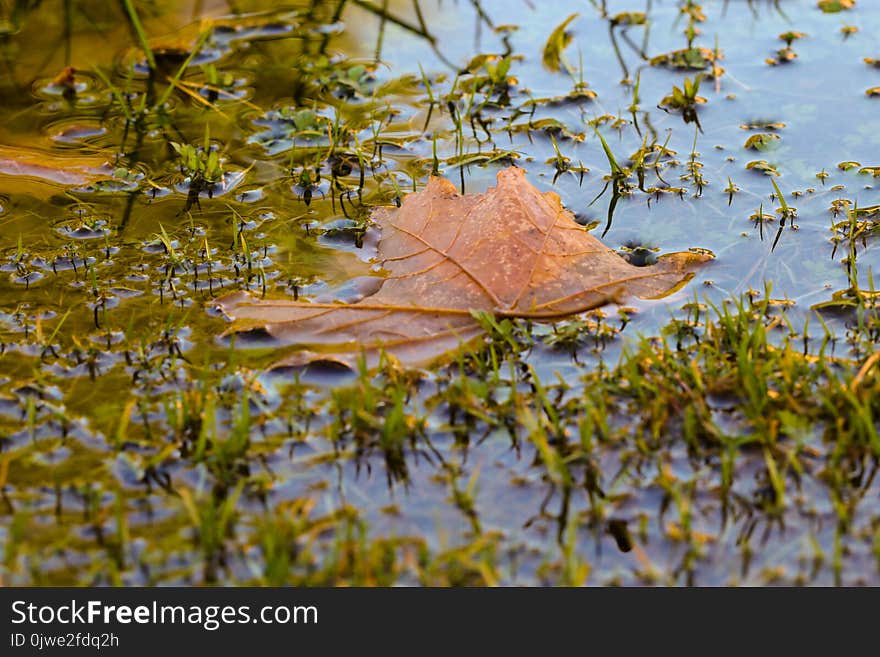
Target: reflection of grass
x,y
138,28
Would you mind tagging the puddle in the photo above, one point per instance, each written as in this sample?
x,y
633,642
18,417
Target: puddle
x,y
131,198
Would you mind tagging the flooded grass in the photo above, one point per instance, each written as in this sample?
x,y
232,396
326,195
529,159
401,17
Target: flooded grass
x,y
155,156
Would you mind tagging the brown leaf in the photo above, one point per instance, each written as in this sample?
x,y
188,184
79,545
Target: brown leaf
x,y
512,251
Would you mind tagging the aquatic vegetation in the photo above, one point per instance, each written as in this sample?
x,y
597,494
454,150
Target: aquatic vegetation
x,y
786,54
834,6
691,58
685,99
290,126
761,141
556,44
763,166
158,164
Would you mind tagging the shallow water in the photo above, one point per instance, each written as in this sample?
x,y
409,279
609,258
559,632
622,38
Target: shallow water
x,y
109,259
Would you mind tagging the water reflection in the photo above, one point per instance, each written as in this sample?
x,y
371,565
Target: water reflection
x,y
133,436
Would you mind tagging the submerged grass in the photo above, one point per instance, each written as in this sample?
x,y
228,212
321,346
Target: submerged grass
x,y
726,417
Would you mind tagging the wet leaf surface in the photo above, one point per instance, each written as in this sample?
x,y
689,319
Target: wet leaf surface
x,y
512,251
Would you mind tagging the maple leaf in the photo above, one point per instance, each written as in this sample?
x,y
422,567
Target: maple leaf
x,y
513,251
